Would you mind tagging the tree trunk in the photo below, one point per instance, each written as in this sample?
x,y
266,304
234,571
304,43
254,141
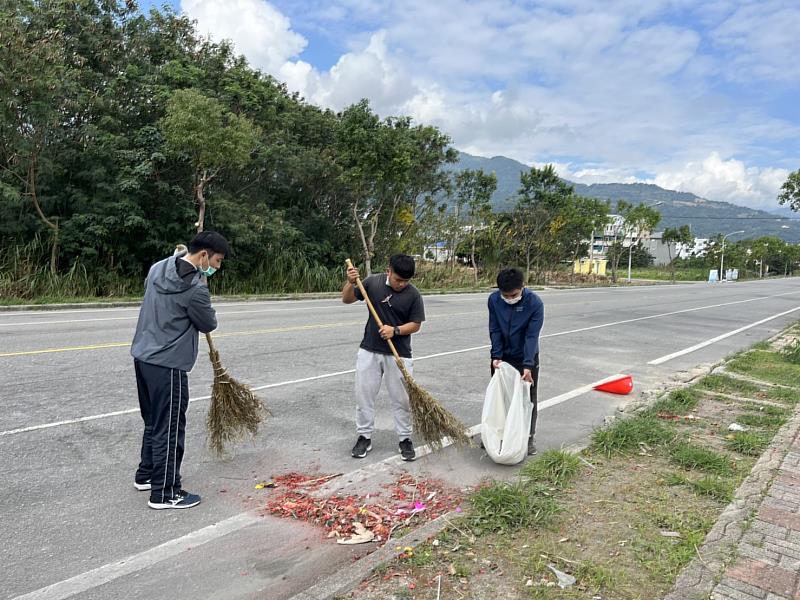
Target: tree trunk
x,y
364,245
53,225
472,259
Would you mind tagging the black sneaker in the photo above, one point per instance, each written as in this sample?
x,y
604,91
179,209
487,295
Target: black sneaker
x,y
407,450
531,447
142,486
363,445
182,499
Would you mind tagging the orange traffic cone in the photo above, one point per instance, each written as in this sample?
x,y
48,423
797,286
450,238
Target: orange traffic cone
x,y
617,384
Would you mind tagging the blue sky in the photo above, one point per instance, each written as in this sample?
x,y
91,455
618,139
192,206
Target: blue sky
x,y
692,96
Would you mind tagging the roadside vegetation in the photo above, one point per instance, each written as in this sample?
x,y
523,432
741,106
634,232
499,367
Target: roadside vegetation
x,y
624,516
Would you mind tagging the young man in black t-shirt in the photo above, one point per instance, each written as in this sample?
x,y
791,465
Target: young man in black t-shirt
x,y
400,307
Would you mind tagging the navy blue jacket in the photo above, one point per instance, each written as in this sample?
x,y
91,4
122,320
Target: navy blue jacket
x,y
514,328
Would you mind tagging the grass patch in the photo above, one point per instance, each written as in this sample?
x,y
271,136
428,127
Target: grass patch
x,y
728,385
762,420
719,488
749,443
678,402
664,557
767,366
690,456
736,387
628,435
791,353
504,507
554,467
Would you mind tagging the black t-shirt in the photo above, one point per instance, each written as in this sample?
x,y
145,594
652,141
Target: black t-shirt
x,y
395,309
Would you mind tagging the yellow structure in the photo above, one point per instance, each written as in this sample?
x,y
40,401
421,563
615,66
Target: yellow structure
x,y
584,266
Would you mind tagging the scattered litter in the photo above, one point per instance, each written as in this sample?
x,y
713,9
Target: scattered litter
x,y
671,534
564,579
265,484
362,535
529,583
671,417
562,540
736,427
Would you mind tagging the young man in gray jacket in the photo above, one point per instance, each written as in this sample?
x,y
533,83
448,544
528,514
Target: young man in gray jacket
x,y
175,310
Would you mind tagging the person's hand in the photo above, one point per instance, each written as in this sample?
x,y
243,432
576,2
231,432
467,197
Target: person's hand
x,y
496,363
527,375
352,275
387,332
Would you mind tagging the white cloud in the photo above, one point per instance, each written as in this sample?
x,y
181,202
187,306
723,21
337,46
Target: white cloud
x,y
728,180
607,91
259,31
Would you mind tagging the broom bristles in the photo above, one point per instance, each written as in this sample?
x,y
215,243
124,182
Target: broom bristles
x,y
235,410
431,420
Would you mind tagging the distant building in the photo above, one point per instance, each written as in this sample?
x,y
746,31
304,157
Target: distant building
x,y
438,252
614,231
698,247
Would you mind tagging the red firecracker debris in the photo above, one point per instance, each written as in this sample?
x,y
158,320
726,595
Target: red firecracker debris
x,y
402,501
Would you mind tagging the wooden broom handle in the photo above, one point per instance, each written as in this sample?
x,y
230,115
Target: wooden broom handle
x,y
372,310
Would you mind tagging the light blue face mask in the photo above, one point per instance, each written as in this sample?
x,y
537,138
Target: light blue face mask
x,y
208,271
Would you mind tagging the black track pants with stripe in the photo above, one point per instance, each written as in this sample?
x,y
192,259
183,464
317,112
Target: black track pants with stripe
x,y
163,400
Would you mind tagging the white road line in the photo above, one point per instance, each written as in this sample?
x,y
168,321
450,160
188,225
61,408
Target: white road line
x,y
437,355
713,340
137,562
111,571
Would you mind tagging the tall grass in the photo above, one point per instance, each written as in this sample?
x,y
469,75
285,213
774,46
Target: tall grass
x,y
25,275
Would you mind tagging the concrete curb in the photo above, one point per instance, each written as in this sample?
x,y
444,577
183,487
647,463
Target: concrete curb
x,y
698,579
220,300
348,578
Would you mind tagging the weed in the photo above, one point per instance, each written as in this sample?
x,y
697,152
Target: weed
x,y
769,366
509,506
554,467
791,353
690,456
716,487
628,435
596,576
761,420
677,402
748,443
462,569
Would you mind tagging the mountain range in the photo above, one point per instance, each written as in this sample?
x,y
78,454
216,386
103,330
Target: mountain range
x,y
705,217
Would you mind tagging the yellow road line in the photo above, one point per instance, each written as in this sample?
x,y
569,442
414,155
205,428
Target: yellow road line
x,y
216,335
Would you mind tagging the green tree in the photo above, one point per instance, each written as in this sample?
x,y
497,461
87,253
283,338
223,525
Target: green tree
x,y
200,130
637,222
475,189
790,191
676,235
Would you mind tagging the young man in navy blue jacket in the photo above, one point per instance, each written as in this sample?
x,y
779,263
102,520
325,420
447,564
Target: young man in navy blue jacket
x,y
516,316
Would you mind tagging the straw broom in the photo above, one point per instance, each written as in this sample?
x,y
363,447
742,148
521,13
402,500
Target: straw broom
x,y
431,420
234,411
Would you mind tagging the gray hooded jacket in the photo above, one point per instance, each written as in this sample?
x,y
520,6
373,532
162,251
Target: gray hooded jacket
x,y
172,314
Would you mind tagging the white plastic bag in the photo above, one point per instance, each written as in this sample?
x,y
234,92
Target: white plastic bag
x,y
506,418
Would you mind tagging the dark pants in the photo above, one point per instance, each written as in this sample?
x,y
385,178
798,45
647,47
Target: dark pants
x,y
163,400
534,388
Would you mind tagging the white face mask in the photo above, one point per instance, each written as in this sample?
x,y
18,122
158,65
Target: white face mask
x,y
511,300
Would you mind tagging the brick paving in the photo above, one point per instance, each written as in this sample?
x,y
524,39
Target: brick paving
x,y
753,551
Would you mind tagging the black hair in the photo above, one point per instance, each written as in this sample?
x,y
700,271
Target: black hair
x,y
402,265
509,280
211,241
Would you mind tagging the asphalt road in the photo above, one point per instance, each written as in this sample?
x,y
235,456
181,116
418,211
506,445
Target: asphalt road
x,y
73,526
